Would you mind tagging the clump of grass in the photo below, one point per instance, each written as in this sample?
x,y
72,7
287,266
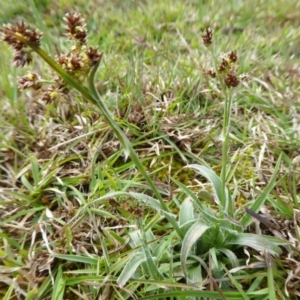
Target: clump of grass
x,y
123,242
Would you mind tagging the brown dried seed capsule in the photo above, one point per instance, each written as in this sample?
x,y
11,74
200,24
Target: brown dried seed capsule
x,y
207,37
29,81
94,55
231,80
224,65
211,73
75,26
232,56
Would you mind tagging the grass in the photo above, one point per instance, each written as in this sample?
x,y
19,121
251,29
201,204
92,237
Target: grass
x,y
134,185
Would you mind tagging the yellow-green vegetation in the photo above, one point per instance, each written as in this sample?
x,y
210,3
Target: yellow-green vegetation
x,y
150,150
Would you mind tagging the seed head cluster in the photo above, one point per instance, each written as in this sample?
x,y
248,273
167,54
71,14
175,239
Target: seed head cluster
x,y
207,37
77,62
75,27
28,81
18,37
227,66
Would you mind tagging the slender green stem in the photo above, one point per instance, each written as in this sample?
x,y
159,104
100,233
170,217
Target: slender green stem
x,y
225,144
225,130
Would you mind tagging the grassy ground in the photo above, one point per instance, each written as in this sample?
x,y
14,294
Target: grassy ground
x,y
79,217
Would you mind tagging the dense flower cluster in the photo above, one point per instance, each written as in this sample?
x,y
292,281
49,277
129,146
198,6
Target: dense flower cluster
x,y
228,65
18,37
77,62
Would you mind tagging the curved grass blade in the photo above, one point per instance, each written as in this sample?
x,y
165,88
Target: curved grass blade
x,y
226,204
133,263
257,242
191,237
257,204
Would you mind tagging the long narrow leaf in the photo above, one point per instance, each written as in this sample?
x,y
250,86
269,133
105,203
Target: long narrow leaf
x,y
212,177
78,258
205,295
226,203
191,237
186,213
236,284
9,291
257,242
59,286
257,204
271,285
133,263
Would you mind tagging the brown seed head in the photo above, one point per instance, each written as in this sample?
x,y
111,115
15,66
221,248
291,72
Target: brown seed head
x,y
18,37
94,55
232,56
75,61
11,34
29,81
76,27
231,80
51,94
207,37
22,58
211,73
224,65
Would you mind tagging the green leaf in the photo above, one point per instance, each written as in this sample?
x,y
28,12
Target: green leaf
x,y
59,286
257,242
213,178
133,263
8,293
35,171
191,237
225,205
21,213
231,256
236,284
204,295
270,266
186,213
78,258
257,204
26,183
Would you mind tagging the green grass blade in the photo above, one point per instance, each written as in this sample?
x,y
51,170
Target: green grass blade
x,y
271,282
8,293
59,286
200,294
236,284
257,242
191,237
246,220
225,203
132,264
213,178
78,258
187,212
35,171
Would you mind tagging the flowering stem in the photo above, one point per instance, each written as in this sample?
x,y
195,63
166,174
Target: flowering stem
x,y
225,131
225,146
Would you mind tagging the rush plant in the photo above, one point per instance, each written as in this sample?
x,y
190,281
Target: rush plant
x,y
191,243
